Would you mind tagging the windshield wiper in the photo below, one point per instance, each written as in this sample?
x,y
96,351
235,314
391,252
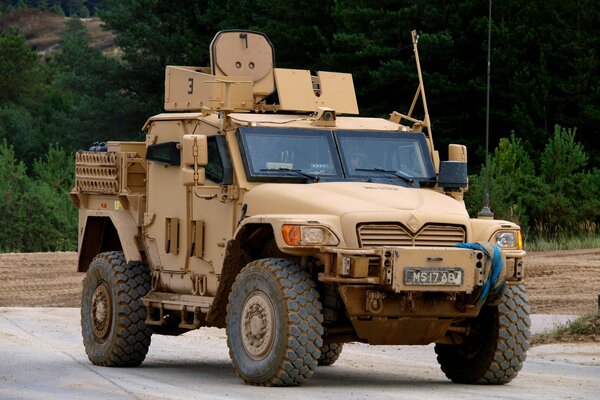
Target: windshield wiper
x,y
315,179
397,174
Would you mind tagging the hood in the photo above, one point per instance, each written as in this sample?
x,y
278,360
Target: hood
x,y
342,198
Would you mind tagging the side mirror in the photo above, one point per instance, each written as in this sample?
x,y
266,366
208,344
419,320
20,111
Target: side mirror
x,y
453,173
453,176
194,156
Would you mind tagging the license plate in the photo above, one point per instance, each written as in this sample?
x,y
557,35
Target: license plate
x,y
450,276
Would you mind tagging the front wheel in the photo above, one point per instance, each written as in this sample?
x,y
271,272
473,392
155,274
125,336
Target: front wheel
x,y
274,323
495,351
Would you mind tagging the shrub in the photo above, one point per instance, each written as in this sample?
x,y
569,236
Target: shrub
x,y
36,211
585,328
511,171
558,198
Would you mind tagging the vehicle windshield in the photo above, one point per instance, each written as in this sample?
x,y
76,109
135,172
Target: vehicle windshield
x,y
298,154
385,154
305,155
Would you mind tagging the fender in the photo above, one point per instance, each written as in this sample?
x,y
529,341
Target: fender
x,y
104,230
276,221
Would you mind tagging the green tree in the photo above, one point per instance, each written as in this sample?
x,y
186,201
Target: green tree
x,y
560,197
19,128
57,9
563,156
301,31
373,42
83,12
94,105
38,217
18,68
56,169
573,195
13,183
510,176
551,76
20,4
153,34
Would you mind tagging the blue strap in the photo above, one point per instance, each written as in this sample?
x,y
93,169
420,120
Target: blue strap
x,y
497,266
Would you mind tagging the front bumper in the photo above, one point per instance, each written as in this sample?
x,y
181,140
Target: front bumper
x,y
401,269
387,305
389,266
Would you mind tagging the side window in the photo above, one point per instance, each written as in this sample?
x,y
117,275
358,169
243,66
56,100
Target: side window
x,y
164,153
219,167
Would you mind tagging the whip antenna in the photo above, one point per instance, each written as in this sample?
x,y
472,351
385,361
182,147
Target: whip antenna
x,y
486,212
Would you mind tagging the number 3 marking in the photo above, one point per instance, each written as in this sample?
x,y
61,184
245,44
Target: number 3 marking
x,y
191,86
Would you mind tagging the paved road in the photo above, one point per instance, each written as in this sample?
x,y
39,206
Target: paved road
x,y
41,357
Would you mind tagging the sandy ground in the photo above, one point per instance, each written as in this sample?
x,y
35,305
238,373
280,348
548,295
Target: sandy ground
x,y
564,282
47,361
42,357
40,280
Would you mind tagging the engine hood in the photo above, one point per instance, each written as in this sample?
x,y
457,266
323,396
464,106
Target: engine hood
x,y
357,202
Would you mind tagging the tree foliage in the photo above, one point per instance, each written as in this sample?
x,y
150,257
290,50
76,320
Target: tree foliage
x,y
41,216
545,71
549,194
17,69
70,8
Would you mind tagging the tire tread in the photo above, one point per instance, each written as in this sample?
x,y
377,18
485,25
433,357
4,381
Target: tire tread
x,y
305,322
132,336
503,363
330,353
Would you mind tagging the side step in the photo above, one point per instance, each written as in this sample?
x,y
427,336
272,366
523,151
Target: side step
x,y
183,303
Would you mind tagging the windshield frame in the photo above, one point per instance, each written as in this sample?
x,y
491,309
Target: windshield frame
x,y
418,136
281,175
336,150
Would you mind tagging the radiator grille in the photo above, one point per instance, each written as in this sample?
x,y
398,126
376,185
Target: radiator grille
x,y
376,235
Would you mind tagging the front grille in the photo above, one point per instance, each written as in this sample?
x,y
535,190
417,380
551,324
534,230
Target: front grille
x,y
377,235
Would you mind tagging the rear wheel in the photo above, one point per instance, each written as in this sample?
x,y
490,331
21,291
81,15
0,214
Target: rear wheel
x,y
330,353
274,323
112,313
495,351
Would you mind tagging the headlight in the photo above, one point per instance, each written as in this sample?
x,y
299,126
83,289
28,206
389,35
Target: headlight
x,y
509,239
301,235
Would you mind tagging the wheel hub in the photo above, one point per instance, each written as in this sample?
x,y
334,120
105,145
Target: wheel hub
x,y
258,325
101,311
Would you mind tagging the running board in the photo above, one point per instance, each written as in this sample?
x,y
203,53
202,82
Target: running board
x,y
176,302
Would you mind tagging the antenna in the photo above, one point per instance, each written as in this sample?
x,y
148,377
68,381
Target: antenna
x,y
486,212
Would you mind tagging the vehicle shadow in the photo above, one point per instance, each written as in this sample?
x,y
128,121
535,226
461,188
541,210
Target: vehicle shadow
x,y
329,377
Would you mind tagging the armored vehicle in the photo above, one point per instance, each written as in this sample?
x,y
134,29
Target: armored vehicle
x,y
261,203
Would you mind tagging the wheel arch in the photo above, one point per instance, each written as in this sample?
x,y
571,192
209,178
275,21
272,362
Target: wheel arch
x,y
109,231
252,241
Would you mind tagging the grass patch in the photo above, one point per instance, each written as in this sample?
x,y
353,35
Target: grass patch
x,y
585,328
564,243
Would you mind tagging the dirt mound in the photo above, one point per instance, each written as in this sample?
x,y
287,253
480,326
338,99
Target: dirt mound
x,y
562,282
43,30
39,280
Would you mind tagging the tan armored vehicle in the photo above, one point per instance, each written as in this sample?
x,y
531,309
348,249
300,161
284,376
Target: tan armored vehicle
x,y
262,204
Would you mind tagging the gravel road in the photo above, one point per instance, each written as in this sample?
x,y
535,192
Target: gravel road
x,y
42,357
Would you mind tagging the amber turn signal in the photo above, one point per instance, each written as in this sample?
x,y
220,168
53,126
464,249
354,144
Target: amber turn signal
x,y
291,234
